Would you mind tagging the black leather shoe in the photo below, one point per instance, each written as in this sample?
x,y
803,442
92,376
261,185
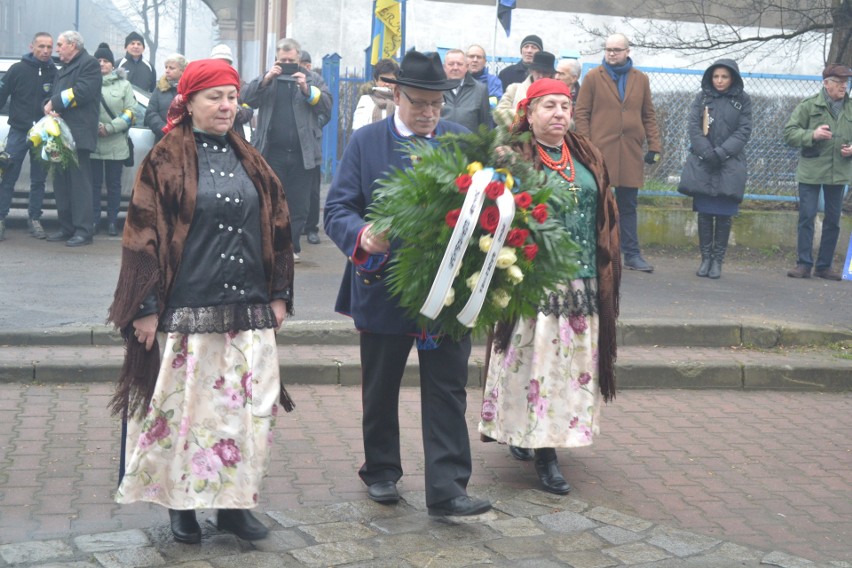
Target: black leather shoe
x,y
461,506
242,523
523,454
58,236
184,526
547,468
384,492
313,238
78,241
637,263
112,230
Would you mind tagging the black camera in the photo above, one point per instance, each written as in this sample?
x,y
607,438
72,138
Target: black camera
x,y
288,68
5,160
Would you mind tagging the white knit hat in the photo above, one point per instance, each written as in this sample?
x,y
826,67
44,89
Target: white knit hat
x,y
222,51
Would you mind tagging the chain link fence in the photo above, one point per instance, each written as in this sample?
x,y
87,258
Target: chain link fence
x,y
771,163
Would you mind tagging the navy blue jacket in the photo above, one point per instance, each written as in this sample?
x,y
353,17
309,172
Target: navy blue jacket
x,y
28,82
372,151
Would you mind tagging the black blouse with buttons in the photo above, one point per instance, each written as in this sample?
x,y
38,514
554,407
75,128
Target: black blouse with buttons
x,y
220,285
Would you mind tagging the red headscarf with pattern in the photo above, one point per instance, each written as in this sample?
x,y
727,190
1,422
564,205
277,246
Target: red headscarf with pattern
x,y
199,75
539,88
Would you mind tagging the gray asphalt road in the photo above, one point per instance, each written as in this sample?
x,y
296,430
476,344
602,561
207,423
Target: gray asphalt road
x,y
47,285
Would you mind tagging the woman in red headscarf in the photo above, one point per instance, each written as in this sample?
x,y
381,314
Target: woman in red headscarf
x,y
206,268
547,375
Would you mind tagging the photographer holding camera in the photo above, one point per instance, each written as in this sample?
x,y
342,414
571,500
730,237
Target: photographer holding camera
x,y
28,83
292,104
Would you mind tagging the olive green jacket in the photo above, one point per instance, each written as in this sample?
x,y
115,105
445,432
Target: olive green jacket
x,y
820,161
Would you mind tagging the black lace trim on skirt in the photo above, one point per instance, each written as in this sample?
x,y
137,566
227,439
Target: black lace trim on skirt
x,y
568,301
218,319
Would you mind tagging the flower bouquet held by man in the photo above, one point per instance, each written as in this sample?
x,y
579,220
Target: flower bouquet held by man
x,y
481,240
52,142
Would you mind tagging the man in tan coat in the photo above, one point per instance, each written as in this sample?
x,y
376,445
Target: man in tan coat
x,y
614,109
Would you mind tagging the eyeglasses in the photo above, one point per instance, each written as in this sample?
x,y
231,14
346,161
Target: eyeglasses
x,y
615,49
839,81
423,105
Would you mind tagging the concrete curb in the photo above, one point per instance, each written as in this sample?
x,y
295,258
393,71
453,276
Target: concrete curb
x,y
630,333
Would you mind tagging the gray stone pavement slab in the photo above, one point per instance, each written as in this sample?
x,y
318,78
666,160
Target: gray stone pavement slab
x,y
698,477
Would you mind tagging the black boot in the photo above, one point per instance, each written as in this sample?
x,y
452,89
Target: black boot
x,y
720,245
242,523
547,468
523,454
705,243
185,527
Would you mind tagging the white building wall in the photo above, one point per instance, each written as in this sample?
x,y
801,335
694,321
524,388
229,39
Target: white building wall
x,y
343,26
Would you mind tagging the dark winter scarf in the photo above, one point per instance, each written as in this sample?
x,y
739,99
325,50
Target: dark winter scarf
x,y
619,75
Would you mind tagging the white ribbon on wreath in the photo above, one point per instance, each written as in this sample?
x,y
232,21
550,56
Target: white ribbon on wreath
x,y
457,246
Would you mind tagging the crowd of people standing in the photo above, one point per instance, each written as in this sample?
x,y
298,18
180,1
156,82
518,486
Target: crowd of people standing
x,y
199,410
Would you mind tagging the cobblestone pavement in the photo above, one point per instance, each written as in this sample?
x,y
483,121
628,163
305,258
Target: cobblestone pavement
x,y
676,478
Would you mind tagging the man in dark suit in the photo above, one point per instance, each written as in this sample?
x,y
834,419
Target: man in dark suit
x,y
386,332
76,99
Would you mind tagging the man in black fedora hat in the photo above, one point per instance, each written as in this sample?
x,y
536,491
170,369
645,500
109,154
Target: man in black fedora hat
x,y
386,331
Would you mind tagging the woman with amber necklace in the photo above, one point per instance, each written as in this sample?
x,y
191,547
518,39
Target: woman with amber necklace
x,y
547,375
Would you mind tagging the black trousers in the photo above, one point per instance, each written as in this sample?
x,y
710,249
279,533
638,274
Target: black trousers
x,y
72,189
298,183
312,224
443,401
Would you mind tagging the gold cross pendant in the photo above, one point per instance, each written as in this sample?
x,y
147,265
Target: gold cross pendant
x,y
574,189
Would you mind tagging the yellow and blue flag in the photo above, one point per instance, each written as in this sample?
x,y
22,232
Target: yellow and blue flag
x,y
387,29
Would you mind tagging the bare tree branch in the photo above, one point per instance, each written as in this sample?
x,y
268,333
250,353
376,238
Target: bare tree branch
x,y
707,29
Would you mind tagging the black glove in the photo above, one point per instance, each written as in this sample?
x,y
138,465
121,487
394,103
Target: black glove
x,y
652,157
711,158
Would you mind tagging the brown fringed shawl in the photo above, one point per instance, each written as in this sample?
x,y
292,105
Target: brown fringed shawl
x,y
158,221
608,257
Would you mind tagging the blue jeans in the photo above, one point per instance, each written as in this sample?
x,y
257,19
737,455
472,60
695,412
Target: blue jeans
x,y
626,198
16,146
808,204
111,171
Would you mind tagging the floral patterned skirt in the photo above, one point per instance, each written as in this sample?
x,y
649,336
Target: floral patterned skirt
x,y
543,390
206,437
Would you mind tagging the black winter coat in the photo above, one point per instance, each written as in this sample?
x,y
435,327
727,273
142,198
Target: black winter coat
x,y
158,107
716,165
139,73
29,83
78,85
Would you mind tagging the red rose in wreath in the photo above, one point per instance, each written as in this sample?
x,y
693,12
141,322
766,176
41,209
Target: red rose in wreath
x,y
523,200
516,237
539,212
530,251
463,182
489,219
452,218
494,190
